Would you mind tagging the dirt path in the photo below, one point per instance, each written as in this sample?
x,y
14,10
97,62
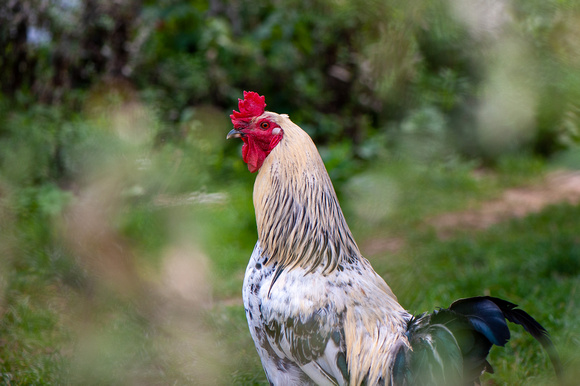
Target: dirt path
x,y
557,187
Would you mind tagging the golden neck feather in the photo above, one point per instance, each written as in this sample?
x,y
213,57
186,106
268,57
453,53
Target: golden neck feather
x,y
300,223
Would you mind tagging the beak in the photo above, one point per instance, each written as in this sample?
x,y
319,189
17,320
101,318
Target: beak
x,y
235,134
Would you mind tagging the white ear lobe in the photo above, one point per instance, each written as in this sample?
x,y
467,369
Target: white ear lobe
x,y
276,131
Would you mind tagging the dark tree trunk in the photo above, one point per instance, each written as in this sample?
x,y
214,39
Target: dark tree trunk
x,y
16,65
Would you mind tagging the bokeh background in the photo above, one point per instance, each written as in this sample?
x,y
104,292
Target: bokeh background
x,y
451,130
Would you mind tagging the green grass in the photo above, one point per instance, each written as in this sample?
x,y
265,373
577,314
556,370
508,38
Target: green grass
x,y
534,262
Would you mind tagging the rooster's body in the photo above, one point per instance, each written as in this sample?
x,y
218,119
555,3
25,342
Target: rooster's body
x,y
317,311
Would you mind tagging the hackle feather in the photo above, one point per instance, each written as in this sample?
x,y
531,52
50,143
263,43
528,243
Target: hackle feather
x,y
300,223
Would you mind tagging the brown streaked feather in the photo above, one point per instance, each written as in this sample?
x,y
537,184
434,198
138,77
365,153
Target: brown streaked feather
x,y
302,231
300,223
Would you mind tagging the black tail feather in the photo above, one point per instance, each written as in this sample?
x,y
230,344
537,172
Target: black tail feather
x,y
450,346
535,329
472,308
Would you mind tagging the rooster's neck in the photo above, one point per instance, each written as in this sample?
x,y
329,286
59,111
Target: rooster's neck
x,y
300,223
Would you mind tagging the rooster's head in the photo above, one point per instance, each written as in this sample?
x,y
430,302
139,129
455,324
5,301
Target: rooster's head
x,y
257,128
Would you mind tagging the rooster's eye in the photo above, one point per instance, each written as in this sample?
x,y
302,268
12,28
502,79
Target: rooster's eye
x,y
264,125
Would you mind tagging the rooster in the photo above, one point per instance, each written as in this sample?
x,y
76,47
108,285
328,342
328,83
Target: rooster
x,y
317,311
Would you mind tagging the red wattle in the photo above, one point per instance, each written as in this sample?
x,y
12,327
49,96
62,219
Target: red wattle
x,y
253,155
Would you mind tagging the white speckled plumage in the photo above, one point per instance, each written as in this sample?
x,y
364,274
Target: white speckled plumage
x,y
302,231
317,311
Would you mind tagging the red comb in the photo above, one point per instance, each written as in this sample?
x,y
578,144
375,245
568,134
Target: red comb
x,y
253,105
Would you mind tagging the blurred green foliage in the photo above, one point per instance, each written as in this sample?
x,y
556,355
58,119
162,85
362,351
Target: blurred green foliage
x,y
126,220
343,70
